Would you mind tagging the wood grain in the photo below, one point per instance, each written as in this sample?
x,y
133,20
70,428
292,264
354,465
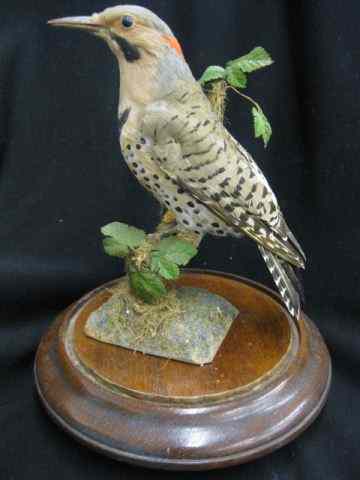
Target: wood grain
x,y
267,384
256,343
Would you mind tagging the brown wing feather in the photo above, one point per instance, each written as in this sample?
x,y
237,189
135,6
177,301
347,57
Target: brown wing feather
x,y
208,156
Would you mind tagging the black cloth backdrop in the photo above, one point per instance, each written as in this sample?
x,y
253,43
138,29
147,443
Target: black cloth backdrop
x,y
62,178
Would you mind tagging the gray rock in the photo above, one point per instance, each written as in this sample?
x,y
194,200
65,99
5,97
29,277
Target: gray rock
x,y
190,328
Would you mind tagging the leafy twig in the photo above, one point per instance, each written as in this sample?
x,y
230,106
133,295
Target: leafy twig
x,y
234,75
262,125
149,263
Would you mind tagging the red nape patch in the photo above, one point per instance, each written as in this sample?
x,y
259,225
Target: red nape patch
x,y
173,42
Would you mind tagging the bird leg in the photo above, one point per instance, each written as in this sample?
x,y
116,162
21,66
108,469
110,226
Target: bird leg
x,y
190,237
167,227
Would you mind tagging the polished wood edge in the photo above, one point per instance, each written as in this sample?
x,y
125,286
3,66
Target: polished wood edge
x,y
155,458
264,382
188,464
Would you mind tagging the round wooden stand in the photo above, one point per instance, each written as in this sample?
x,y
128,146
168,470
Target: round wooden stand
x,y
267,384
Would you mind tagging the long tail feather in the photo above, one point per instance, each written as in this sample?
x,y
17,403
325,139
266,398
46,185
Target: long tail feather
x,y
295,275
293,239
284,281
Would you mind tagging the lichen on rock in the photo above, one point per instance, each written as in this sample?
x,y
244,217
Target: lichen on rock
x,y
189,324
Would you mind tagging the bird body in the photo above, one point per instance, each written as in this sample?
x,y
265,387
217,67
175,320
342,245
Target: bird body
x,y
179,140
180,151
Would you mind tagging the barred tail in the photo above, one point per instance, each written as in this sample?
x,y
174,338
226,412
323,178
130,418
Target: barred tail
x,y
286,281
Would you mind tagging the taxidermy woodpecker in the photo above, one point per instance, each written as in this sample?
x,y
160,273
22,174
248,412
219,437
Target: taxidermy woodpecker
x,y
180,151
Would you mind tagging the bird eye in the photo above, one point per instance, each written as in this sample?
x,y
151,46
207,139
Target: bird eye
x,y
127,21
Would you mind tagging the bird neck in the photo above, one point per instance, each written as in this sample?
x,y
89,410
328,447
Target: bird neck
x,y
151,79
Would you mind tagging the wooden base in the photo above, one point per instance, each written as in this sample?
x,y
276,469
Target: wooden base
x,y
267,384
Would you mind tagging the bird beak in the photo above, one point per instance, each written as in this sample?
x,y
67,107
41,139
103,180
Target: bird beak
x,y
89,24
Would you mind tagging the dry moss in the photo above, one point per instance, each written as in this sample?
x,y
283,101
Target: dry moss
x,y
217,97
188,324
142,320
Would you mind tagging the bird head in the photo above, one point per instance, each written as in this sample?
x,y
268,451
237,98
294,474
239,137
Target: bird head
x,y
150,57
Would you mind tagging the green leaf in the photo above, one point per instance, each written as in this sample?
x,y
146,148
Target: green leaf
x,y
115,248
130,236
261,125
147,285
177,251
211,74
254,60
164,267
235,76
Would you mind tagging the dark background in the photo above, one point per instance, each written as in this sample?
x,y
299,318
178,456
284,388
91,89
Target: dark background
x,y
62,178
